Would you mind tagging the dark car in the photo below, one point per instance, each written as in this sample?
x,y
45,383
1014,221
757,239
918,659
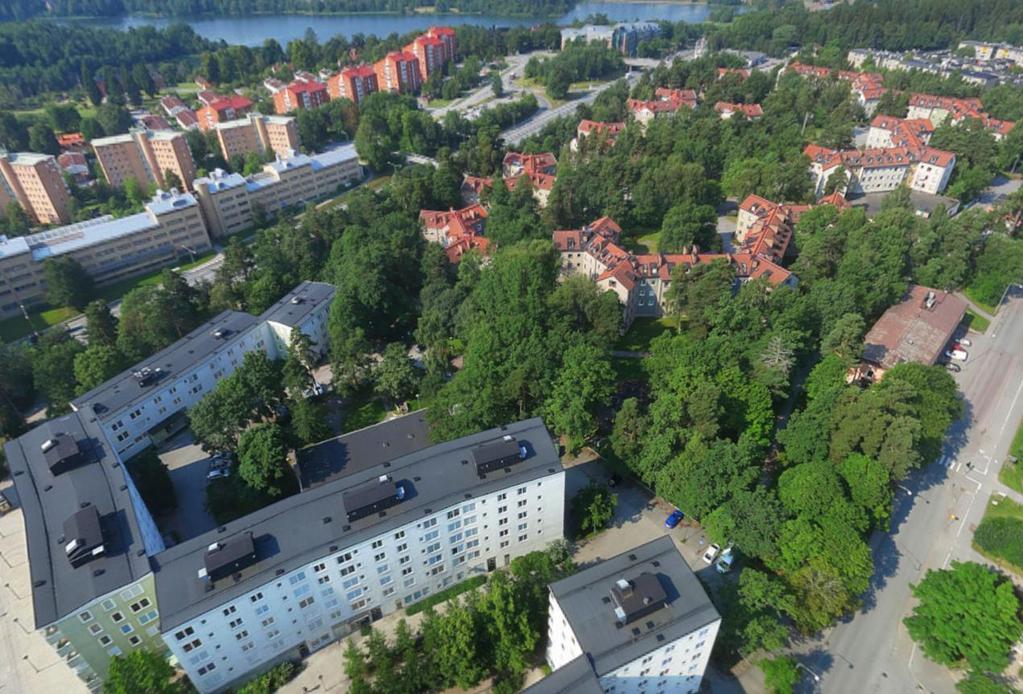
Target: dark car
x,y
674,519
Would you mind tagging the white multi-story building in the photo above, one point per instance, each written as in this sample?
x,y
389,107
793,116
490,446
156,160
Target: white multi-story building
x,y
637,622
379,533
148,401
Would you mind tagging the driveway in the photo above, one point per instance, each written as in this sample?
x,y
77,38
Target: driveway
x,y
187,464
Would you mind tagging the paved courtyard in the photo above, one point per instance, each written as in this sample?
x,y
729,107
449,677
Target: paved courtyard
x,y
187,465
27,663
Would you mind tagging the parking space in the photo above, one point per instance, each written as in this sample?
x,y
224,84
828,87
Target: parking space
x,y
187,464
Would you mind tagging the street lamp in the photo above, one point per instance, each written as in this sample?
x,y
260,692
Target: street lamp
x,y
905,489
814,675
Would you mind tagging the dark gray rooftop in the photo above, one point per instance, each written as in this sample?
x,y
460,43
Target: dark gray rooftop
x,y
111,398
50,501
585,599
299,529
347,454
298,303
574,677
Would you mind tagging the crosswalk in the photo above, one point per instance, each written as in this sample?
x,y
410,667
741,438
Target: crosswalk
x,y
978,464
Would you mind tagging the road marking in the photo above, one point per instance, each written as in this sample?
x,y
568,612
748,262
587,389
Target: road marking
x,y
973,497
947,557
1008,414
911,654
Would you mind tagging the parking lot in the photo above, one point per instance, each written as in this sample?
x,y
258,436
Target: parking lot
x,y
187,464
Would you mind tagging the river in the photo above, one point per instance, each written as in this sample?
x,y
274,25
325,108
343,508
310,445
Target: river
x,y
253,30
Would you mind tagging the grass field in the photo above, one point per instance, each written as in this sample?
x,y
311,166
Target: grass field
x,y
17,327
976,322
360,411
641,333
1002,508
1011,474
648,243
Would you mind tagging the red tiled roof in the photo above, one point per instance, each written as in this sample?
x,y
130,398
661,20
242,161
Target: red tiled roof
x,y
608,128
748,110
725,71
235,101
836,199
70,139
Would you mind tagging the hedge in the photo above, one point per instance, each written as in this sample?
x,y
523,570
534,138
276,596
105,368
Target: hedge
x,y
1001,537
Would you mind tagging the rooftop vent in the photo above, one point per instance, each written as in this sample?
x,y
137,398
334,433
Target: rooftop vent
x,y
226,557
636,598
86,535
146,376
221,333
296,300
373,497
60,451
499,454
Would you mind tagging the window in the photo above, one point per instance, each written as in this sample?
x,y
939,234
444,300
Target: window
x,y
453,513
432,535
430,523
522,514
399,535
432,548
114,651
323,579
127,628
406,571
85,616
522,503
191,645
105,640
404,560
262,609
140,605
184,633
300,576
109,605
135,640
522,538
353,594
403,547
241,635
230,610
256,597
502,496
388,592
235,623
207,668
377,544
320,567
307,602
350,582
347,556
502,509
345,570
380,556
117,617
95,629
520,490
503,533
267,622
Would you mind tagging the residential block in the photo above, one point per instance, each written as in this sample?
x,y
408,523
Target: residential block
x,y
35,182
146,156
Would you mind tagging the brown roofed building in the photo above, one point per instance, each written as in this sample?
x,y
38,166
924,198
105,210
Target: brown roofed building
x,y
299,95
398,72
35,181
354,83
222,110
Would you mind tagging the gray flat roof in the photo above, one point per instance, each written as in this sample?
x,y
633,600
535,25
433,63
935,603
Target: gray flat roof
x,y
576,677
297,530
349,453
49,501
293,308
109,399
610,645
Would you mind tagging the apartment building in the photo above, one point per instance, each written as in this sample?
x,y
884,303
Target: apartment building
x,y
458,231
398,72
624,38
926,169
257,133
223,109
750,111
35,182
431,53
538,169
641,281
354,83
994,51
146,156
109,249
606,132
666,102
378,536
938,109
867,87
228,200
298,95
447,37
637,622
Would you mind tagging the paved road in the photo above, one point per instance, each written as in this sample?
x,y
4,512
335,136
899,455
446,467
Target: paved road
x,y
933,525
516,66
530,127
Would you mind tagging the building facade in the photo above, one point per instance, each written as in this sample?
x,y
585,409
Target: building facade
x,y
924,168
354,83
35,182
256,133
229,201
146,156
298,95
636,622
398,72
223,109
171,226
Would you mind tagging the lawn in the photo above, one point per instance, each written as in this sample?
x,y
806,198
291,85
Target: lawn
x,y
999,537
976,322
648,243
1011,474
360,411
641,333
17,327
972,296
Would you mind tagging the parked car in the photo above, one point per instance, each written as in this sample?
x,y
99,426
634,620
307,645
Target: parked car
x,y
218,471
957,354
965,342
953,367
726,560
674,519
711,554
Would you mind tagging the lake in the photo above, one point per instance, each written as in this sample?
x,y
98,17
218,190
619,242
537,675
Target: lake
x,y
253,30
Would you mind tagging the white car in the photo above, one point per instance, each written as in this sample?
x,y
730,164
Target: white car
x,y
965,342
724,564
957,354
711,554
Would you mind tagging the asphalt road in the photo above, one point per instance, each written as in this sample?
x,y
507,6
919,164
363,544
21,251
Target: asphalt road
x,y
530,127
935,514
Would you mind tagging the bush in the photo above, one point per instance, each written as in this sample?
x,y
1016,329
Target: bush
x,y
271,680
1001,537
153,482
593,508
447,594
780,674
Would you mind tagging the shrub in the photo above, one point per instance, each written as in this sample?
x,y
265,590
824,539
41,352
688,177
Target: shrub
x,y
271,680
445,595
1002,537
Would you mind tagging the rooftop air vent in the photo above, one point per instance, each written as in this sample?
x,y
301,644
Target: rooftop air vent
x,y
229,556
86,535
636,598
296,300
147,376
499,454
60,452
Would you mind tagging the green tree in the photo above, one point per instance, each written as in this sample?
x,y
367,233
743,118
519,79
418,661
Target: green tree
x,y
982,683
96,365
695,292
172,181
67,282
686,225
580,387
966,616
53,370
396,376
496,85
263,459
459,653
593,507
780,674
140,671
629,431
100,324
41,139
845,338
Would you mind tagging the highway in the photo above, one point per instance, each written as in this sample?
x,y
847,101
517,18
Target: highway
x,y
935,514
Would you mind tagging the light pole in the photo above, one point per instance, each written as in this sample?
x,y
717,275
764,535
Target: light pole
x,y
905,489
814,675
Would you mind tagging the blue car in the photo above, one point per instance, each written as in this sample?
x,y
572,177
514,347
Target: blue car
x,y
674,519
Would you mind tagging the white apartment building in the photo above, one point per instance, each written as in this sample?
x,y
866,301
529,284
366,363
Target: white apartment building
x,y
228,200
637,622
109,249
377,535
881,170
148,401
